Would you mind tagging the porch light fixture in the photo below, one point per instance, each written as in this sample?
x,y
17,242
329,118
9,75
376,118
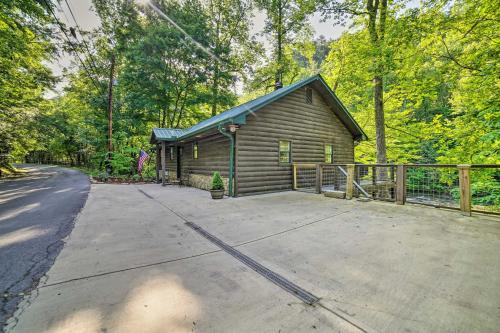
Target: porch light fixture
x,y
233,128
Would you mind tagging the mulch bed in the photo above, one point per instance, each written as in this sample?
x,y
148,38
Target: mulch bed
x,y
121,181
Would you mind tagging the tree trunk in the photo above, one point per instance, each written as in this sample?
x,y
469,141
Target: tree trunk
x,y
378,90
215,90
279,74
377,32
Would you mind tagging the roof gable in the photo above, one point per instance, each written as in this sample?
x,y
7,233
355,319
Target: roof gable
x,y
237,115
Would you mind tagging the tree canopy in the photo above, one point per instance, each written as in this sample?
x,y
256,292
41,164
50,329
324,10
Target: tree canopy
x,y
421,81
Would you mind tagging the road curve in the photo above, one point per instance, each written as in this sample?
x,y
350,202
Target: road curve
x,y
36,213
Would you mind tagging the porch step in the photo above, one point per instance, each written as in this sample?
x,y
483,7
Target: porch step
x,y
334,194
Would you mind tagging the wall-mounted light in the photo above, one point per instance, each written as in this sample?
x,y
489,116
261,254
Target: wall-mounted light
x,y
233,128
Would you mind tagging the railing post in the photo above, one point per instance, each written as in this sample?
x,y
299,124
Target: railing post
x,y
163,162
319,178
374,182
465,193
350,181
294,170
401,184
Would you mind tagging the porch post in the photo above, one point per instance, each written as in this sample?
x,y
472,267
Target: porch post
x,y
158,161
163,162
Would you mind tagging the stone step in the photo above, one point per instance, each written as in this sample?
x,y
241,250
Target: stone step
x,y
334,194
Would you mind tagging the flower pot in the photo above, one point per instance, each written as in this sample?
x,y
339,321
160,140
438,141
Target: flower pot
x,y
217,194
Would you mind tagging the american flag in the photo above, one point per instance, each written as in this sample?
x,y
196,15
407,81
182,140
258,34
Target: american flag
x,y
143,156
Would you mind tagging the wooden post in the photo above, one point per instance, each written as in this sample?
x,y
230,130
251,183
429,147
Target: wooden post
x,y
374,182
400,184
465,192
163,162
349,182
319,178
392,182
294,170
158,161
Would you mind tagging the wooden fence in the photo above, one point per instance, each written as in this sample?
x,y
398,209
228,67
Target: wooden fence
x,y
465,187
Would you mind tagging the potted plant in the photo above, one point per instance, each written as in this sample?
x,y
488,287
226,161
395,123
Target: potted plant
x,y
217,187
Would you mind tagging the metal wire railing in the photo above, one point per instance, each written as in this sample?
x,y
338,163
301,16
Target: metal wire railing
x,y
465,187
333,179
377,180
485,189
305,177
433,185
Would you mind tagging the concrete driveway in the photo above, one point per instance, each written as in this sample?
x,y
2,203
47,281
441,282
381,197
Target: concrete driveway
x,y
133,265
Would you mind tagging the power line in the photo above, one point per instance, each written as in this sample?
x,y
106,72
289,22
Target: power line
x,y
71,44
83,39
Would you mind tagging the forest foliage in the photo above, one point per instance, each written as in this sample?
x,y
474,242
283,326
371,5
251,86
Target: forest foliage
x,y
437,63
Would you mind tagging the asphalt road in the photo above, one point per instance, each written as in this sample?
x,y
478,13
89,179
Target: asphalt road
x,y
36,213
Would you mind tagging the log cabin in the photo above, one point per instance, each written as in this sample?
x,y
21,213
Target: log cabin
x,y
255,144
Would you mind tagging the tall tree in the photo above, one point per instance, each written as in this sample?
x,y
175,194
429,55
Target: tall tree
x,y
230,43
25,46
374,13
174,66
284,19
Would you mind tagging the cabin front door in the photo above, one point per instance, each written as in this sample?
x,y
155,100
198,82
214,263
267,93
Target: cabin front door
x,y
179,157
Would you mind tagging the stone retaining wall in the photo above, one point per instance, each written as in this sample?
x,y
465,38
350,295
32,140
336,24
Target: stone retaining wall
x,y
203,182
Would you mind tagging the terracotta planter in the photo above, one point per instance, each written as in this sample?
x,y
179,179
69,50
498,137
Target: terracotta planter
x,y
217,194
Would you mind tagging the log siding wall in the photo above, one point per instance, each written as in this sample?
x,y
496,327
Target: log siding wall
x,y
308,126
213,155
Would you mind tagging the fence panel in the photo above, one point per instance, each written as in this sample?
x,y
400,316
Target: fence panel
x,y
305,177
433,185
334,178
485,188
378,181
438,185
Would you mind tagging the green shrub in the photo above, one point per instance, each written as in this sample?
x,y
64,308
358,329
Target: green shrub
x,y
102,176
217,182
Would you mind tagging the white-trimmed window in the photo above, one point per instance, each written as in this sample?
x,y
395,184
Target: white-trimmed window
x,y
285,151
328,153
195,150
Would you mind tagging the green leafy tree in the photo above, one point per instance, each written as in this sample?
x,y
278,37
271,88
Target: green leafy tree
x,y
231,45
24,47
285,19
373,15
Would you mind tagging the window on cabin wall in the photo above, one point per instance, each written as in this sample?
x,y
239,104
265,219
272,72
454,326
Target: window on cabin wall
x,y
195,150
285,151
309,95
328,153
171,153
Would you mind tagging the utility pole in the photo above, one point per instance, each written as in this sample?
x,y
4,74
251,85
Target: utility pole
x,y
110,115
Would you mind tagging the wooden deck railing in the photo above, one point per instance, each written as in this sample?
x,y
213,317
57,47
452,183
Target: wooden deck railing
x,y
468,187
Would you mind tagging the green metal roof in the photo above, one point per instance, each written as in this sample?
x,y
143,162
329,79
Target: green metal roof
x,y
237,115
167,134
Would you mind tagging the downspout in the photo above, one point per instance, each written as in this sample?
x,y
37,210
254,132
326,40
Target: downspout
x,y
223,131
